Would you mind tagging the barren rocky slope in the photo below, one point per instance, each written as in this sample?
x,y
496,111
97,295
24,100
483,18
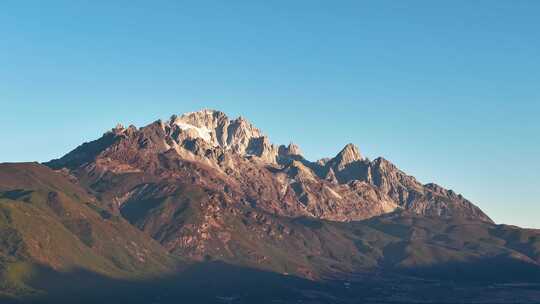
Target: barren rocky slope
x,y
234,158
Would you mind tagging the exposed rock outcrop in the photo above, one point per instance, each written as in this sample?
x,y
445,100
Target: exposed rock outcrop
x,y
232,156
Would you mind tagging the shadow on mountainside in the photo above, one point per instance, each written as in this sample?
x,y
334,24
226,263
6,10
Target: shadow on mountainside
x,y
498,269
497,281
211,282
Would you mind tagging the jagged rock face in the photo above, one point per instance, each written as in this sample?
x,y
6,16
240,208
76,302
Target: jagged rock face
x,y
290,151
216,130
208,149
349,155
404,190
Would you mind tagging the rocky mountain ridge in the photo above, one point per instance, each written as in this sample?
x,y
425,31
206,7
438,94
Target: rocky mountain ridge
x,y
242,162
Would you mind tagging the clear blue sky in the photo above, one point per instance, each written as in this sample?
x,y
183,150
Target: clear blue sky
x,y
447,90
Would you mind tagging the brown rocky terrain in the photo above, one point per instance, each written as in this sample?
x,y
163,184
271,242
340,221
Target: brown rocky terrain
x,y
234,158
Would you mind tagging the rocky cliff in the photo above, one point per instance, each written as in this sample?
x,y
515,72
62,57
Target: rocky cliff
x,y
233,157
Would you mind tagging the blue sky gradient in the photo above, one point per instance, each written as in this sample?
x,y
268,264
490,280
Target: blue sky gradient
x,y
448,91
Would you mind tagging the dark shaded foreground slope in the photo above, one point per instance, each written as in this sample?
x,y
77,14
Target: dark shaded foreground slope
x,y
215,282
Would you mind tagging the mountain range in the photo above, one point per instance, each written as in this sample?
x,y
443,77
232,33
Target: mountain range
x,y
206,208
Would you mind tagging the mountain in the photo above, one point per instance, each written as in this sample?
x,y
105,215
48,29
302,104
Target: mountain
x,y
169,207
233,157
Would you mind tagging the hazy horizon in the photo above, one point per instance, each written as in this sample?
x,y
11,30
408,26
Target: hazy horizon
x,y
446,91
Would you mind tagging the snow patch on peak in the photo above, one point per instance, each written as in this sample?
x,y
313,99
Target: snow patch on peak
x,y
203,132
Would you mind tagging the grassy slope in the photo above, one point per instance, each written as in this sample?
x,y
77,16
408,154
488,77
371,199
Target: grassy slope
x,y
432,245
48,221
